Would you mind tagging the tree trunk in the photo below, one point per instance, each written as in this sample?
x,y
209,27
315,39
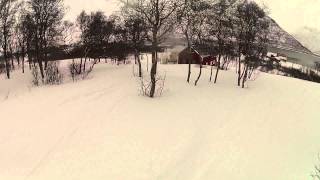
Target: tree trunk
x,y
200,73
199,76
211,73
45,55
28,53
250,73
189,60
218,68
23,54
153,73
7,62
80,68
39,55
41,68
239,71
7,68
5,49
245,76
12,58
189,71
84,64
30,61
12,63
147,63
39,60
18,59
139,63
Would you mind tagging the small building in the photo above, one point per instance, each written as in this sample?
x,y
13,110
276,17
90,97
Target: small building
x,y
190,54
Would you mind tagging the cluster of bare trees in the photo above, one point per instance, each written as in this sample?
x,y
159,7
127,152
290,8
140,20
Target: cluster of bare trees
x,y
34,30
29,28
100,37
8,10
232,29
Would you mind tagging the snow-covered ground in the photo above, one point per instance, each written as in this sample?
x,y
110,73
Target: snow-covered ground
x,y
101,129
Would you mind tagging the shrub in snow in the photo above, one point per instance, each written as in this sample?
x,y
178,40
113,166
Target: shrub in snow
x,y
79,71
137,70
2,68
309,74
316,174
75,70
145,85
35,75
52,74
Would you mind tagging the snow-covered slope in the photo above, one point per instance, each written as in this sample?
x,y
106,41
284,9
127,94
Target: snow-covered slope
x,y
101,129
282,39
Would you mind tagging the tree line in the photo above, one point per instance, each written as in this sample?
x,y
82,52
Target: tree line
x,y
29,29
229,29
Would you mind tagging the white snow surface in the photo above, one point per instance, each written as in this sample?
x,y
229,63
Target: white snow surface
x,y
102,129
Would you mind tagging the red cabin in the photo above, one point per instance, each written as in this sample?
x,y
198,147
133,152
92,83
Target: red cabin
x,y
189,54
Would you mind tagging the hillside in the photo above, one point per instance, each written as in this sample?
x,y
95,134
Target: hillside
x,y
281,38
100,128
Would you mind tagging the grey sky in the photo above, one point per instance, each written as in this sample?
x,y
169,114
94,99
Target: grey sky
x,y
293,15
76,6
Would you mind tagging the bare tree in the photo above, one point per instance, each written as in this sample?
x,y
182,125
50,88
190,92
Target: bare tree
x,y
21,31
160,17
82,22
136,30
27,31
202,9
189,18
252,37
46,16
7,19
220,29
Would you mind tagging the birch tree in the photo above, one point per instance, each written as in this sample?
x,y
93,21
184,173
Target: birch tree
x,y
160,17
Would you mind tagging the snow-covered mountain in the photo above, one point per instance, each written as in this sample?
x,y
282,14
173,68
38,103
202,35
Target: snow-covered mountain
x,y
280,38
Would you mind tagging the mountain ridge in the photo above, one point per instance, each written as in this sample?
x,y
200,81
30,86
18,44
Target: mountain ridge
x,y
280,38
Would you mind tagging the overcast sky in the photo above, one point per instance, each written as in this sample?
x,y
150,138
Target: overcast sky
x,y
76,6
292,15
